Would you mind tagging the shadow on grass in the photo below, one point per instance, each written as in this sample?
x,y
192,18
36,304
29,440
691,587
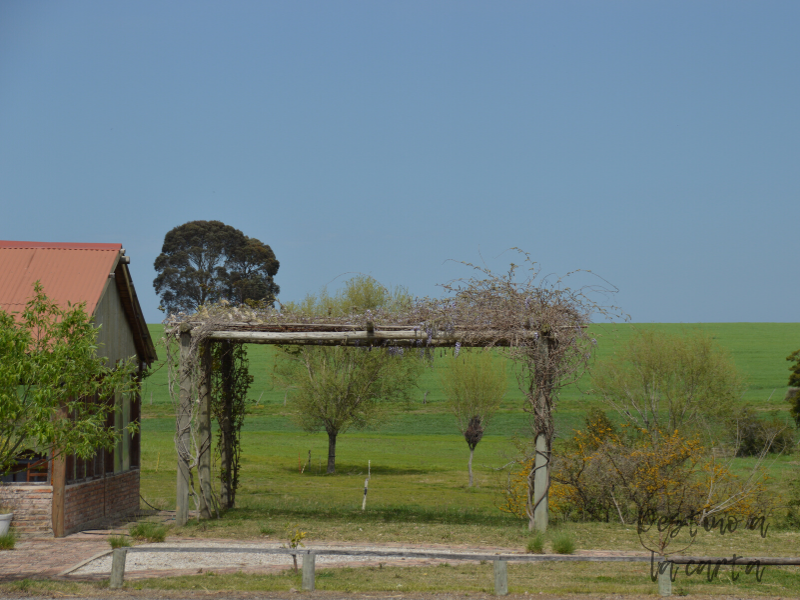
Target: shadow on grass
x,y
351,469
386,514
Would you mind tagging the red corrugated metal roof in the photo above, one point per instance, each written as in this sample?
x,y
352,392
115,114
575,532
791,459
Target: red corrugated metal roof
x,y
68,272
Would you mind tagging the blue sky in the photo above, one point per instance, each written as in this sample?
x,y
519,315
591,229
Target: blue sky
x,y
654,143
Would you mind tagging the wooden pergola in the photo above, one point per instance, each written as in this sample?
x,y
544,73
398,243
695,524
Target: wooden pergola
x,y
368,335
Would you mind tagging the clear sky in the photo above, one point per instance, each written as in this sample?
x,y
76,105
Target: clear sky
x,y
654,143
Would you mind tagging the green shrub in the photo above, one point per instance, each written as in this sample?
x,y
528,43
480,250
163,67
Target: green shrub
x,y
266,530
149,531
751,434
7,541
119,541
535,545
563,543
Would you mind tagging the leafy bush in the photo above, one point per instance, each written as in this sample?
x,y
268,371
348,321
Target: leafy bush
x,y
266,530
750,435
535,545
147,530
7,541
119,541
563,543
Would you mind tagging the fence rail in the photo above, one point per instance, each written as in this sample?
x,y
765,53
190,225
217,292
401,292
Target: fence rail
x,y
499,561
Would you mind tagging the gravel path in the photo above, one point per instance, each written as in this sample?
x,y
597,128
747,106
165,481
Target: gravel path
x,y
171,561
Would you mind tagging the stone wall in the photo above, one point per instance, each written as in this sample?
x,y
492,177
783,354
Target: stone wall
x,y
33,508
92,504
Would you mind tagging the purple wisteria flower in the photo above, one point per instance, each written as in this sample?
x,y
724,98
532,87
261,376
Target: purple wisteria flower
x,y
458,347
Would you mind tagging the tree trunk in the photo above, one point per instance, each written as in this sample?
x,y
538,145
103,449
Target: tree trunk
x,y
471,452
226,451
331,453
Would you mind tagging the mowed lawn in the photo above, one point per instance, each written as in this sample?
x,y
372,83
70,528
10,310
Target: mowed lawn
x,y
418,493
418,458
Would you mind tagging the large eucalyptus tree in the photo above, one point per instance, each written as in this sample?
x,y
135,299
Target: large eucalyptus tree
x,y
209,261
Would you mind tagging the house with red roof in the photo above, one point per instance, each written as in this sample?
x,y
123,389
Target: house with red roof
x,y
62,495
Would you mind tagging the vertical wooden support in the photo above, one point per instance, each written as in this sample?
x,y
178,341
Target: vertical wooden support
x,y
500,578
308,571
226,447
665,579
182,432
541,479
204,431
58,479
117,568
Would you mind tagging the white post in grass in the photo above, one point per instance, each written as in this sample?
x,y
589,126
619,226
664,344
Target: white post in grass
x,y
308,571
665,579
364,501
117,568
500,578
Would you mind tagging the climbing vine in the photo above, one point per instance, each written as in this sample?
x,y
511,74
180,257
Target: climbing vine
x,y
230,382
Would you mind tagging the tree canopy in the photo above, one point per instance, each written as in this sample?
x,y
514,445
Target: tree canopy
x,y
474,386
50,367
208,261
662,383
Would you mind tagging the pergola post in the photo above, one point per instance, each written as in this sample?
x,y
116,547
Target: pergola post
x,y
226,449
183,426
204,432
541,464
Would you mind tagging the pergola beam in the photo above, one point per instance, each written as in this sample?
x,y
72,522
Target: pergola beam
x,y
336,338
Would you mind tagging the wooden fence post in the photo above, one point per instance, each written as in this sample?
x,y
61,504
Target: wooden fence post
x,y
117,568
665,580
308,571
500,578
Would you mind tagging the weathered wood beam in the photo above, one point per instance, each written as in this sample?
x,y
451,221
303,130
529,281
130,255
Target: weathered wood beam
x,y
407,337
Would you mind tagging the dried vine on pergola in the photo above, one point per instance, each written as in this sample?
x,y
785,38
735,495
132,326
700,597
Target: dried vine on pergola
x,y
542,325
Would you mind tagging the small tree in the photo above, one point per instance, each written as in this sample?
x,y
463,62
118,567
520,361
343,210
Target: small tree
x,y
334,389
359,294
668,382
474,385
55,392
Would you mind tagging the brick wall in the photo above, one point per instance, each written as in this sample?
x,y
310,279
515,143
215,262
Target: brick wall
x,y
94,503
33,508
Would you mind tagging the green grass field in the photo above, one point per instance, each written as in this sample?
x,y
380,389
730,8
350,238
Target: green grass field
x,y
417,491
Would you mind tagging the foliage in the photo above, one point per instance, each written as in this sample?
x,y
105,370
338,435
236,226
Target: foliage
x,y
563,543
8,540
50,367
751,436
207,261
335,389
149,531
793,396
119,541
360,293
229,387
545,326
474,386
295,537
601,472
793,503
668,382
535,544
794,378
